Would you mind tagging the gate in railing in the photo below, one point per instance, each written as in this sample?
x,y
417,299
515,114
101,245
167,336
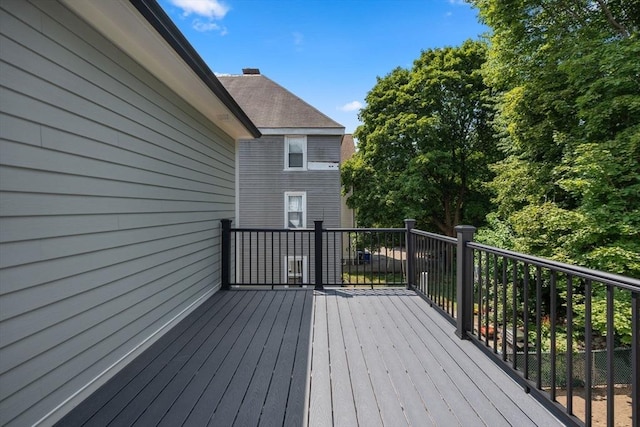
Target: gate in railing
x,y
579,328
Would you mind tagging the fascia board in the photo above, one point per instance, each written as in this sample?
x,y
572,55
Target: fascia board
x,y
302,131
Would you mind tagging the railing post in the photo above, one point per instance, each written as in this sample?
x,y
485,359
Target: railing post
x,y
464,281
226,253
411,252
318,255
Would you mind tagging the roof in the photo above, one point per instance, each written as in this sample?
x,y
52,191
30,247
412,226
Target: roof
x,y
144,31
276,110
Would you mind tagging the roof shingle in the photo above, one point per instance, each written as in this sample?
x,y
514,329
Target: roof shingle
x,y
269,105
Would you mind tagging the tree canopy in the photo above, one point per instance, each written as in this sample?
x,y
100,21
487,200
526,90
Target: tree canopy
x,y
425,143
567,80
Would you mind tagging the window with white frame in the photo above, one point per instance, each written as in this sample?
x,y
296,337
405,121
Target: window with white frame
x,y
295,152
295,209
296,269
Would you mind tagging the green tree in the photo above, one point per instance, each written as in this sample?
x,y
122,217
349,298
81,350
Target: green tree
x,y
568,78
569,122
425,143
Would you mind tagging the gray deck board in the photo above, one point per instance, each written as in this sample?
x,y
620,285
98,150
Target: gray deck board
x,y
249,381
364,398
389,403
344,357
344,413
296,411
431,383
273,412
419,372
320,413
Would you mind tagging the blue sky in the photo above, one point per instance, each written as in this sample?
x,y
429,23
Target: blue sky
x,y
328,52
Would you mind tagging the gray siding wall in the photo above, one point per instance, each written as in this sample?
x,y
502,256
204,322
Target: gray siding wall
x,y
262,185
263,182
111,192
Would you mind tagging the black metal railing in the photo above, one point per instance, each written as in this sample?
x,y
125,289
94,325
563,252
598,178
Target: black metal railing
x,y
569,335
561,328
313,257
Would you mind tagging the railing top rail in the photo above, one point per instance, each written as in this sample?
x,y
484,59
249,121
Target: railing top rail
x,y
625,282
371,230
434,236
344,230
274,230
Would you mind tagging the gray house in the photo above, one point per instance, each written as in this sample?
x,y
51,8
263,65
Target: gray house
x,y
289,177
117,162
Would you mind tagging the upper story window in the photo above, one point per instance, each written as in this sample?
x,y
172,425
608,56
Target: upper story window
x,y
295,152
295,209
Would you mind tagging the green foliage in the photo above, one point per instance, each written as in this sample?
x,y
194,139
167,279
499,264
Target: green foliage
x,y
425,144
569,122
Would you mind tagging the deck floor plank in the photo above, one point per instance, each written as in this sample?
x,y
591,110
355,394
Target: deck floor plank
x,y
110,399
508,398
460,368
320,409
476,386
209,386
350,357
297,404
273,412
155,400
389,402
171,386
414,357
386,330
364,398
254,370
344,410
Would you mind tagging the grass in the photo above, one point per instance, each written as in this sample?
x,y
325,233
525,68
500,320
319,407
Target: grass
x,y
369,278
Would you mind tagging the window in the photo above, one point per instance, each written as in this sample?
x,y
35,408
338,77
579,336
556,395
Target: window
x,y
295,209
295,152
296,269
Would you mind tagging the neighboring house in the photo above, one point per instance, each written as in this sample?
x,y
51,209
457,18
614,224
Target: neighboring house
x,y
289,177
117,162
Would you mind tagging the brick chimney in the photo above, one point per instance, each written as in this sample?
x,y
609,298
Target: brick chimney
x,y
247,71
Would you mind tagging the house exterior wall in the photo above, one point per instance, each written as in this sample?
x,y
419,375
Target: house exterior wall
x,y
111,191
263,182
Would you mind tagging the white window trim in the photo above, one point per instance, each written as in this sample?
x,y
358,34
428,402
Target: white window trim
x,y
288,194
304,153
305,267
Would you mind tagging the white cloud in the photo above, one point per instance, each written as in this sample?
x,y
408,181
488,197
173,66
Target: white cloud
x,y
351,106
208,10
212,9
198,25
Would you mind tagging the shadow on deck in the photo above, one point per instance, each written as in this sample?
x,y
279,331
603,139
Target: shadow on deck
x,y
334,357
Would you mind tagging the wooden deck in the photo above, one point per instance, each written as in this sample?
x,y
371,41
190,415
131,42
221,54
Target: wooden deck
x,y
335,357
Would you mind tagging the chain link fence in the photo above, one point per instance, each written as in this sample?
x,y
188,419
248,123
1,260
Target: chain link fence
x,y
621,367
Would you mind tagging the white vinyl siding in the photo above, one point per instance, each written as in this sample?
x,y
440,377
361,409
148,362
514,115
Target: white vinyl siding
x,y
295,153
111,192
295,209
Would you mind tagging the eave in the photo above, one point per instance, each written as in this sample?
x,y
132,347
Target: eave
x,y
144,31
